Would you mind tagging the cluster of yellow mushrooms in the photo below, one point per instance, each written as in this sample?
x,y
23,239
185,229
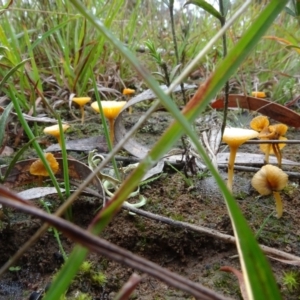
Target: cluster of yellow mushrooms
x,y
269,179
111,110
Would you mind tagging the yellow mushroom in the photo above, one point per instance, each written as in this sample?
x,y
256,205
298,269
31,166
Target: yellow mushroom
x,y
38,168
111,110
81,101
235,137
259,123
270,132
271,179
259,94
54,131
277,131
128,92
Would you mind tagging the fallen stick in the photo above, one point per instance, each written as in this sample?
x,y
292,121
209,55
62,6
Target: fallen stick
x,y
278,255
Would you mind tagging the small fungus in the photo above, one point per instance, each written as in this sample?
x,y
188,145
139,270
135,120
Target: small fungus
x,y
54,131
81,101
38,168
235,137
111,110
259,123
271,179
128,92
259,94
270,132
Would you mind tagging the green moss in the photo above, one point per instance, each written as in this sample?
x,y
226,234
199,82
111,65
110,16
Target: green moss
x,y
99,278
83,296
291,280
86,267
177,217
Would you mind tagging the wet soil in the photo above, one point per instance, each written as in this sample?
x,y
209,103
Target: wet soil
x,y
194,255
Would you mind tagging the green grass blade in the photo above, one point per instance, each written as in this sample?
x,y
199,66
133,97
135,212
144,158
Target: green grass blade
x,y
16,158
12,71
48,33
207,7
3,121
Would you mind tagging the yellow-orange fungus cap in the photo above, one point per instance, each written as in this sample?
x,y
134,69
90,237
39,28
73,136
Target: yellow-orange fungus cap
x,y
280,129
259,123
81,100
111,109
128,92
259,94
235,137
269,179
54,130
38,168
273,132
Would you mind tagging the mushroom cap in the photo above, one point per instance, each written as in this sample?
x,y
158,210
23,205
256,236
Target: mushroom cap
x,y
259,94
273,132
259,123
54,130
128,91
38,168
269,179
264,147
280,129
81,100
111,109
235,137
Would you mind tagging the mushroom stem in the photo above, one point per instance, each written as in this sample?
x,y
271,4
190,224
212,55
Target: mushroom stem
x,y
277,153
232,155
40,181
267,154
279,206
82,113
112,130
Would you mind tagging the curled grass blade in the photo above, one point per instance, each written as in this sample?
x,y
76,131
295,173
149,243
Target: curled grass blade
x,y
12,71
207,7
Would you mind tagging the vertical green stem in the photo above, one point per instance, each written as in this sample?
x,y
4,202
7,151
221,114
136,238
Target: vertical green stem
x,y
65,167
110,145
226,89
171,9
56,234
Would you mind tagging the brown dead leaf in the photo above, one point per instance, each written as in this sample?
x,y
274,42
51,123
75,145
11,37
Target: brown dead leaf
x,y
273,110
